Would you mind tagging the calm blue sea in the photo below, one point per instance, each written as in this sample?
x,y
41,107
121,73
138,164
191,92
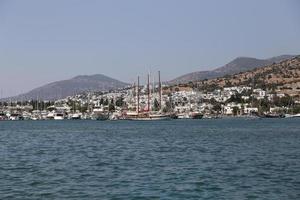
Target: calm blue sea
x,y
176,159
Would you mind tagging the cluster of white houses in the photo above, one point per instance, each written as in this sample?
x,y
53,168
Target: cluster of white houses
x,y
143,99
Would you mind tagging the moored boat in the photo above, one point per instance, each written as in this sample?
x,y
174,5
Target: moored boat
x,y
273,115
292,115
59,116
75,116
196,115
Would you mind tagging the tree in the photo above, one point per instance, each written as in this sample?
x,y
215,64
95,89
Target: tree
x,y
168,107
105,102
111,108
120,101
213,101
101,101
235,110
264,105
228,83
156,105
83,108
237,98
217,107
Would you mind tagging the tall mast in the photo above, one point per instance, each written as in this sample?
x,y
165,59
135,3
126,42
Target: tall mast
x,y
1,98
153,85
22,99
138,95
148,91
252,91
150,76
88,103
133,90
37,102
159,90
74,97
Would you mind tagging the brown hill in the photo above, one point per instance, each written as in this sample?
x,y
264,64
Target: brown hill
x,y
240,64
282,77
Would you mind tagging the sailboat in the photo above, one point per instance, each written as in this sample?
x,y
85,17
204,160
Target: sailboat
x,y
147,115
292,115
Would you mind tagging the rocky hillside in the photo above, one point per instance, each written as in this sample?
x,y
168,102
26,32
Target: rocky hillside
x,y
282,77
240,64
61,89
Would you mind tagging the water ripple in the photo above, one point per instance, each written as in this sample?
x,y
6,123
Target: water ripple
x,y
179,159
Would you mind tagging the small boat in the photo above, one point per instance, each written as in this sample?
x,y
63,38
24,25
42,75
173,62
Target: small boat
x,y
15,116
183,116
273,115
191,115
99,113
76,116
50,116
100,116
196,115
59,116
292,116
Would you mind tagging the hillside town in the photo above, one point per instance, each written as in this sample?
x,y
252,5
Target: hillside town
x,y
271,91
160,102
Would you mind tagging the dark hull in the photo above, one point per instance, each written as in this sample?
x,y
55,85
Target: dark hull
x,y
197,116
273,116
102,117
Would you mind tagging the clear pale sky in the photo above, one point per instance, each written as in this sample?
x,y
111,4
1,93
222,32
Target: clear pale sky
x,y
45,41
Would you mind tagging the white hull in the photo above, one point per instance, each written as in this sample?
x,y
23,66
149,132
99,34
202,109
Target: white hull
x,y
58,118
150,118
183,117
292,116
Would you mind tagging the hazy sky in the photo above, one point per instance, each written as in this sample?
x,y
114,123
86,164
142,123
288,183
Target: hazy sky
x,y
45,41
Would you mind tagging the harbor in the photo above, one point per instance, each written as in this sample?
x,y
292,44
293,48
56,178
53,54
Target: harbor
x,y
155,101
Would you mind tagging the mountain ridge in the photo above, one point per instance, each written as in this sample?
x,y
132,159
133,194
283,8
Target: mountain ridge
x,y
64,88
99,82
282,77
237,65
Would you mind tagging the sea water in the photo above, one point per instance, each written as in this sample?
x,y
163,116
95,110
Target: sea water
x,y
175,159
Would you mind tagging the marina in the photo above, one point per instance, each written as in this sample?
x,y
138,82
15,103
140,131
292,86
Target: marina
x,y
155,101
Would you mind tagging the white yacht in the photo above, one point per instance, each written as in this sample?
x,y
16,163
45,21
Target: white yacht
x,y
76,116
59,116
99,113
50,115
